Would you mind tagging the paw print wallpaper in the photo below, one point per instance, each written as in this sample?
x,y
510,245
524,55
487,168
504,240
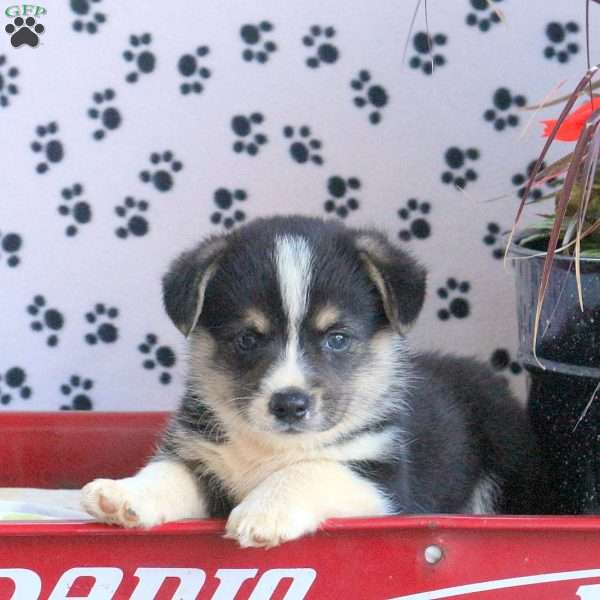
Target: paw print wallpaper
x,y
132,129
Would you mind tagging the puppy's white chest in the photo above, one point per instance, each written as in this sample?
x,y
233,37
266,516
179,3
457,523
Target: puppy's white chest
x,y
242,465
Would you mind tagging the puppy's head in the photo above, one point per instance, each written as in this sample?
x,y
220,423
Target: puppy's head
x,y
295,324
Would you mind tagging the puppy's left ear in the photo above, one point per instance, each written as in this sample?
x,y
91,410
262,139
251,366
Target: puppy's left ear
x,y
399,278
185,283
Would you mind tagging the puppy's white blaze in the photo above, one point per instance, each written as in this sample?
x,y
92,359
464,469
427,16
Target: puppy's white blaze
x,y
293,259
287,372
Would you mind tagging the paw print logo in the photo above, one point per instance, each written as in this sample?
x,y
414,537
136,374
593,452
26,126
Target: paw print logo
x,y
224,200
303,147
244,128
162,178
79,210
536,193
108,116
132,212
426,58
10,244
102,319
76,393
24,31
52,150
503,100
417,226
486,14
559,34
13,382
456,159
501,361
8,87
194,73
320,40
458,305
140,55
46,319
372,96
343,200
88,18
493,238
257,47
161,358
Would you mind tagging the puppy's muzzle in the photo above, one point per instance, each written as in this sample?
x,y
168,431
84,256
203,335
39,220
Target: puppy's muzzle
x,y
290,405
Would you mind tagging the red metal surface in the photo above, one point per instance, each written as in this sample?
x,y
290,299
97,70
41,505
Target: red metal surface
x,y
66,450
349,559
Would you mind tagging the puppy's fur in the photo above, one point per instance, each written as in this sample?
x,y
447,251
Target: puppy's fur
x,y
304,401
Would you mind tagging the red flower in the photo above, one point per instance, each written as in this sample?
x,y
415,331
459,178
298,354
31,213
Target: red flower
x,y
571,127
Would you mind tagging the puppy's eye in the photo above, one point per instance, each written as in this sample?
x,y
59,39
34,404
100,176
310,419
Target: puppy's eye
x,y
246,341
338,342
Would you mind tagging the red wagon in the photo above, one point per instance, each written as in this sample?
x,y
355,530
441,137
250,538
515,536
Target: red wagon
x,y
423,557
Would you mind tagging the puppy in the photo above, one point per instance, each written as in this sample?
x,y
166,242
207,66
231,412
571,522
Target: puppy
x,y
304,402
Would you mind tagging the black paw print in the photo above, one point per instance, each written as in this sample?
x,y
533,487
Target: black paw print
x,y
8,86
493,237
501,360
10,244
456,158
557,33
13,382
373,96
53,150
48,318
258,48
341,189
76,392
320,39
426,59
224,200
88,18
80,211
418,226
143,58
188,67
458,307
137,223
243,127
24,31
162,178
486,14
162,357
539,190
303,147
109,116
105,331
503,100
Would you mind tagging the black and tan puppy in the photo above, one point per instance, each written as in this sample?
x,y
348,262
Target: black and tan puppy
x,y
303,400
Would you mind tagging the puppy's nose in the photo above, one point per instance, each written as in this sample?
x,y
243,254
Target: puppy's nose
x,y
289,405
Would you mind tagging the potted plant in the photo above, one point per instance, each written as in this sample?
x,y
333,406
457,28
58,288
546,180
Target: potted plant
x,y
557,265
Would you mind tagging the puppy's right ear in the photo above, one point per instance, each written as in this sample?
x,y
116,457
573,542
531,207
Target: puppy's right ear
x,y
185,283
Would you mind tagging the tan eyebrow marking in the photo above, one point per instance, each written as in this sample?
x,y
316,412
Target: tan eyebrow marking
x,y
326,317
257,320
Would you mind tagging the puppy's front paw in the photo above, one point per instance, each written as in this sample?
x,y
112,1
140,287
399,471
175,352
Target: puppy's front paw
x,y
256,523
121,502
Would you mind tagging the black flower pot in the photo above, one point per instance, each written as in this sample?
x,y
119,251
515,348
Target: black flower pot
x,y
563,411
